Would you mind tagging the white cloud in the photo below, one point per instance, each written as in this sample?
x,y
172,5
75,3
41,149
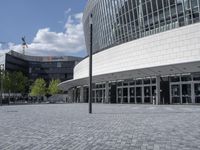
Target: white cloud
x,y
47,42
68,11
4,47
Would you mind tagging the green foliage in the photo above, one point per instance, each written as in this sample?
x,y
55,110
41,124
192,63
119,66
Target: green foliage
x,y
7,83
53,87
15,82
20,82
38,88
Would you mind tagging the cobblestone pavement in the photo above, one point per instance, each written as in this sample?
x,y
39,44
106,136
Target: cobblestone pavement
x,y
111,127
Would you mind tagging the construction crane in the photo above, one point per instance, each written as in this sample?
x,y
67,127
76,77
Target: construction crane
x,y
24,45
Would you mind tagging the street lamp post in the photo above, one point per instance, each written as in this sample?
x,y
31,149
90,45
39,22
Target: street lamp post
x,y
90,68
1,74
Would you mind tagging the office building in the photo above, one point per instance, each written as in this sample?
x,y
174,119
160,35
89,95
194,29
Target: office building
x,y
46,67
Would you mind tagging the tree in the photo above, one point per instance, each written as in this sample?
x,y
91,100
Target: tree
x,y
38,88
53,87
21,82
15,82
7,83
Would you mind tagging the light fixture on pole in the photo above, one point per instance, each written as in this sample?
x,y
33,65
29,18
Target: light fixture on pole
x,y
90,68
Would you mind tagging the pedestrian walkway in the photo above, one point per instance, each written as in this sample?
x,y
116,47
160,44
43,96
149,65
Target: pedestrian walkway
x,y
110,127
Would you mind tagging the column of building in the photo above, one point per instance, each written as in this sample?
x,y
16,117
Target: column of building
x,y
157,90
193,93
107,92
81,94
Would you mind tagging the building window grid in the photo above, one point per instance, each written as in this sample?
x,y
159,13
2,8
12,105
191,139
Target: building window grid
x,y
134,33
98,27
110,22
122,22
103,22
129,23
106,23
153,16
100,24
117,22
127,15
117,19
95,33
119,25
112,17
109,19
147,16
132,19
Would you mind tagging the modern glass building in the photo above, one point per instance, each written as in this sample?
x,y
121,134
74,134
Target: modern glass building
x,y
120,21
144,51
45,67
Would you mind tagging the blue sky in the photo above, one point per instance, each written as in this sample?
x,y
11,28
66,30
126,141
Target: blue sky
x,y
43,22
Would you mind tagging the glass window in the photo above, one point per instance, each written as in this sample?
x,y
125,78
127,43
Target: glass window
x,y
59,64
153,80
149,10
186,78
160,5
154,5
138,82
146,81
196,77
144,10
166,4
175,93
125,83
132,83
172,2
175,79
194,3
119,83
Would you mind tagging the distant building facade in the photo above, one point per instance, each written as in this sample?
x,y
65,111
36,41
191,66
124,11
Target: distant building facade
x,y
46,67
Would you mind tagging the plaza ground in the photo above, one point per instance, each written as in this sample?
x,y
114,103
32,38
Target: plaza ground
x,y
110,127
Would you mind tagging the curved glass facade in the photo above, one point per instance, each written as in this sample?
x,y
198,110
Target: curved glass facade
x,y
119,21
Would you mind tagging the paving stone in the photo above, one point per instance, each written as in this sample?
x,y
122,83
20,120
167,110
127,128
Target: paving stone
x,y
110,127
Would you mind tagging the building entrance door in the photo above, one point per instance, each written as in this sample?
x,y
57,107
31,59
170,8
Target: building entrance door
x,y
113,93
132,94
197,92
119,95
99,96
125,95
164,94
86,94
139,94
186,93
175,93
147,94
